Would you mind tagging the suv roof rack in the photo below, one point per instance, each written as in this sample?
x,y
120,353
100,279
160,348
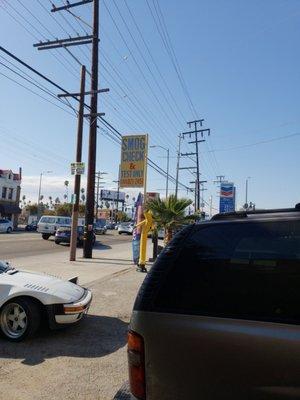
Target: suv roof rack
x,y
244,214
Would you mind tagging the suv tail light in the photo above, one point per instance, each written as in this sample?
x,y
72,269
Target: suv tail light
x,y
136,363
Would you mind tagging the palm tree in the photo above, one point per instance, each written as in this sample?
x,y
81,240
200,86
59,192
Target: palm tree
x,y
66,183
169,213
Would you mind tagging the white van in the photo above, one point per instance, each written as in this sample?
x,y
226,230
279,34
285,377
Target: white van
x,y
48,224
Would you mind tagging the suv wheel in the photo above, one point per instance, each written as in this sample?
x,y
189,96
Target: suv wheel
x,y
19,318
9,230
45,236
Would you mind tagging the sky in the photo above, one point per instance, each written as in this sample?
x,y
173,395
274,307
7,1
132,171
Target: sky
x,y
238,62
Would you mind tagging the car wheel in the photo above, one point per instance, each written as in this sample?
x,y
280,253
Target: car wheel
x,y
56,241
9,230
120,233
45,236
19,318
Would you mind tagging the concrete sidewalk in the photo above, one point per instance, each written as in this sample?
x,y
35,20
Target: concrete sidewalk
x,y
106,261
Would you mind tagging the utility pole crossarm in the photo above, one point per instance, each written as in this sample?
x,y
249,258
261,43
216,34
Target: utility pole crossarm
x,y
70,5
92,115
188,168
187,154
78,94
61,41
197,141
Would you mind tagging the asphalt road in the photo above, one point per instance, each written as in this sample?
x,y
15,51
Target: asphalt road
x,y
25,244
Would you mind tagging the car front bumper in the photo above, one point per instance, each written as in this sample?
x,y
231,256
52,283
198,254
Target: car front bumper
x,y
61,315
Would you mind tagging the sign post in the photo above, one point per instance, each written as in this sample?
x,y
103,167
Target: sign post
x,y
133,174
133,168
227,197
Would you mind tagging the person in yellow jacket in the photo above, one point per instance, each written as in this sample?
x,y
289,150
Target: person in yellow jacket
x,y
146,225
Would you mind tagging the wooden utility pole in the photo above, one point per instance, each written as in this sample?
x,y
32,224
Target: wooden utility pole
x,y
93,115
177,166
195,132
75,211
90,194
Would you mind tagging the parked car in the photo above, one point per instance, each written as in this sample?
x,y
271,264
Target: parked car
x,y
63,235
28,298
110,225
218,314
100,228
48,225
31,227
126,227
6,225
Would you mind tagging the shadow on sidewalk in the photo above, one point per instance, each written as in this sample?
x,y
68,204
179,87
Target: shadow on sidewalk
x,y
101,246
95,336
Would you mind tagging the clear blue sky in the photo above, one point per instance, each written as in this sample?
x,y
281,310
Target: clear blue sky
x,y
240,62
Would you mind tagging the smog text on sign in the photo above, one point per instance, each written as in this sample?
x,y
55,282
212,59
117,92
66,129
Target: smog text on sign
x,y
133,161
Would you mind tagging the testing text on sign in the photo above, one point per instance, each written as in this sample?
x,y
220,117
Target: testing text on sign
x,y
133,160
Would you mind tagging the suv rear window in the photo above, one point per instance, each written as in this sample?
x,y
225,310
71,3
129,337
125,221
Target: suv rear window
x,y
237,270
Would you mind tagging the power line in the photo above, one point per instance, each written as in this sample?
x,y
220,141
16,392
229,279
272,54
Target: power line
x,y
107,124
160,106
14,18
147,66
162,30
243,146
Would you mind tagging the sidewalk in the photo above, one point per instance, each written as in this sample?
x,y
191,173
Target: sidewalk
x,y
106,261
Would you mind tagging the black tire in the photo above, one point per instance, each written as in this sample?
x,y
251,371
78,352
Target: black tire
x,y
56,241
33,318
9,230
45,236
120,233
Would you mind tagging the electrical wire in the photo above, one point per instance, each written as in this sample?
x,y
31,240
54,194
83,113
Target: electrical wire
x,y
160,107
148,68
153,61
38,39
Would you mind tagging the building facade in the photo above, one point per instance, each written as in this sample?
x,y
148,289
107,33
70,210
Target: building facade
x,y
10,191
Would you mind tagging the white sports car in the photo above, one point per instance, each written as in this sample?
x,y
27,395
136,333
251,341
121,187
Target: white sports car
x,y
27,297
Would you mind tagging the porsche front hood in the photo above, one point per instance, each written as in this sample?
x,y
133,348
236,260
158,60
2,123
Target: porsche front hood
x,y
66,291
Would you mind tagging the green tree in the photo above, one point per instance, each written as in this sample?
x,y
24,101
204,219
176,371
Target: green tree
x,y
170,213
64,209
32,209
122,216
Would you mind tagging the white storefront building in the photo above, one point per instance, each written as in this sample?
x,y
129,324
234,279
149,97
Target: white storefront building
x,y
10,189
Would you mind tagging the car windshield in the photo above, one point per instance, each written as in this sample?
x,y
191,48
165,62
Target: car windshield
x,y
48,220
100,223
64,229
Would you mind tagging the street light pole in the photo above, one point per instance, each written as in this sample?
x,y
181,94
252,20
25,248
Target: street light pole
x,y
246,199
168,164
40,189
40,186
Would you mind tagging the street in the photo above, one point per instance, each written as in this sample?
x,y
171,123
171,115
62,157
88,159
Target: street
x,y
25,244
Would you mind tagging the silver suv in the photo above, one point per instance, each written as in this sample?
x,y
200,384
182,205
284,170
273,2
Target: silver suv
x,y
218,316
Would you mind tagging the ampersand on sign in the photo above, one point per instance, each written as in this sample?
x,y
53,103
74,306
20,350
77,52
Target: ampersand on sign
x,y
132,166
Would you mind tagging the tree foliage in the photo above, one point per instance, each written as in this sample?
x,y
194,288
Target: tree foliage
x,y
170,213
